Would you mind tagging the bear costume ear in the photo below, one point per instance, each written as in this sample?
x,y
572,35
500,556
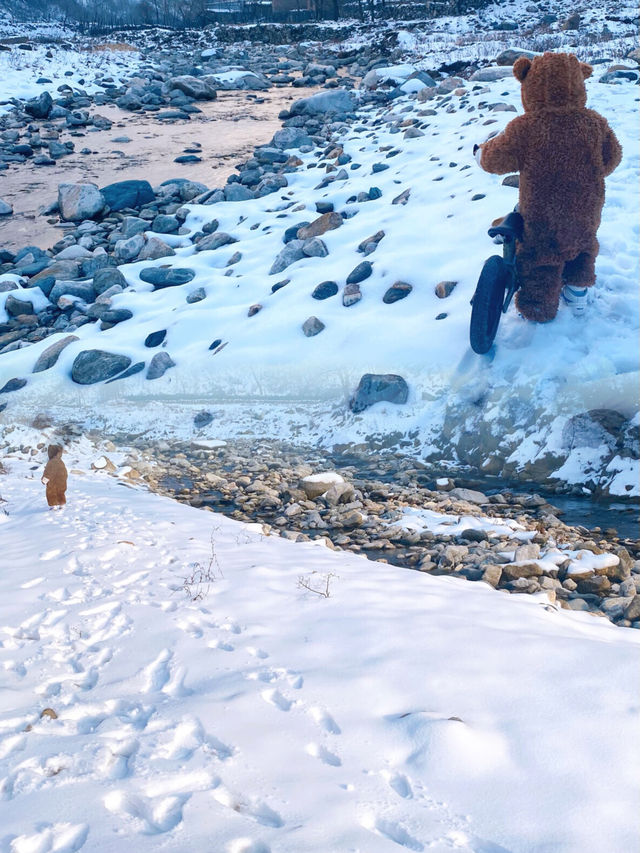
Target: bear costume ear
x,y
587,70
521,68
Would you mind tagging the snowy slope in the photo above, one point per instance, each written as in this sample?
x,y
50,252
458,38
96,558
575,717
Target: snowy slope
x,y
21,70
523,395
402,712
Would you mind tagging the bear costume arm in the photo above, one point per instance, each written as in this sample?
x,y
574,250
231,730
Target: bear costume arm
x,y
503,153
611,149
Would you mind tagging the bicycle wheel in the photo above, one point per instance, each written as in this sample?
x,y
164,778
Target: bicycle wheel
x,y
487,304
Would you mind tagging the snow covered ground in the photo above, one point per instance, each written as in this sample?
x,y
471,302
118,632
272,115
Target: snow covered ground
x,y
519,398
21,70
247,714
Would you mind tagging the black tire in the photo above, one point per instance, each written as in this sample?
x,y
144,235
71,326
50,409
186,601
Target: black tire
x,y
487,304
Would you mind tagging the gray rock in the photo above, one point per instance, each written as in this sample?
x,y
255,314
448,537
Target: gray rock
x,y
132,225
17,303
315,248
91,366
312,327
198,88
155,248
214,241
165,224
237,192
39,107
593,429
14,384
49,356
325,289
351,294
338,101
160,363
491,73
133,194
291,137
292,252
80,201
620,75
106,278
360,273
197,295
469,495
399,290
202,419
82,289
126,251
376,387
509,56
171,277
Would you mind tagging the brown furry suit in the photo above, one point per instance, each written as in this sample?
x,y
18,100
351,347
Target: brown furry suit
x,y
55,477
563,152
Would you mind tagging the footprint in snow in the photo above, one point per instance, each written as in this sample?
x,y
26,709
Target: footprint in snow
x,y
325,720
274,697
150,815
257,653
246,845
52,838
254,809
399,783
393,831
325,755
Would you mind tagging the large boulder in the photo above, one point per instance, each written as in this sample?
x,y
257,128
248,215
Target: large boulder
x,y
127,194
198,88
94,365
378,387
238,78
594,428
39,107
49,356
337,101
80,201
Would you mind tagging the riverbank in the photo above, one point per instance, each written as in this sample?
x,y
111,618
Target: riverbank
x,y
387,507
137,147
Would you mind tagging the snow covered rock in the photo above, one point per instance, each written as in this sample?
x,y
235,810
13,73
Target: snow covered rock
x,y
375,388
80,201
5,208
91,366
317,484
338,101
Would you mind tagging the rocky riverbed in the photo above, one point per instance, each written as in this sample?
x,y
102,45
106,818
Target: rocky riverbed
x,y
516,543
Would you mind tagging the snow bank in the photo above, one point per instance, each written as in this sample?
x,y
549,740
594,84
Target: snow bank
x,y
196,690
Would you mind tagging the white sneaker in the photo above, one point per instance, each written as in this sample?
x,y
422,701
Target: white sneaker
x,y
575,298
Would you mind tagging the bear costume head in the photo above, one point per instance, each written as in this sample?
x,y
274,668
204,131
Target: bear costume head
x,y
552,81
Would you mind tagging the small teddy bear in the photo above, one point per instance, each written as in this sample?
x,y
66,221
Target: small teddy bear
x,y
563,152
54,477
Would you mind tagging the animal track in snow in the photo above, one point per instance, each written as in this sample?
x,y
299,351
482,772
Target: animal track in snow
x,y
120,753
257,653
274,697
325,755
254,809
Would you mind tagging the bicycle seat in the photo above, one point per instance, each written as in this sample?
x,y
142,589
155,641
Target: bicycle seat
x,y
511,228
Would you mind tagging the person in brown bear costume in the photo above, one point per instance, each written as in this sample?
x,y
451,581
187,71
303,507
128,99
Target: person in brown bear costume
x,y
54,477
563,152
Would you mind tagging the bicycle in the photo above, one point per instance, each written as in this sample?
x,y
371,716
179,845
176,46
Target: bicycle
x,y
497,284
